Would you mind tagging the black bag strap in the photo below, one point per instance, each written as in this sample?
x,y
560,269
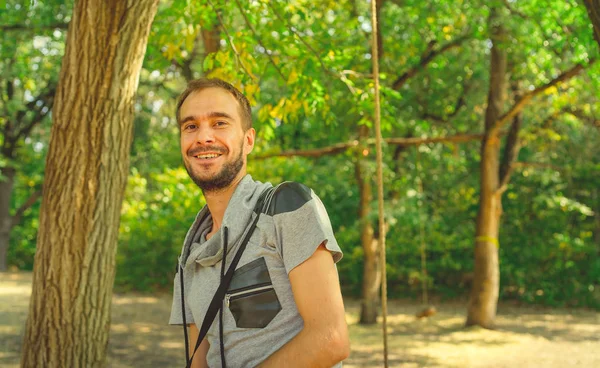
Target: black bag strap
x,y
217,301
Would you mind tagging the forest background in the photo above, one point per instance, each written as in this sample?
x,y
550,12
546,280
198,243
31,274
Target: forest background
x,y
306,67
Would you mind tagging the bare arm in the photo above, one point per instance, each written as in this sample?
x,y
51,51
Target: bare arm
x,y
200,356
323,341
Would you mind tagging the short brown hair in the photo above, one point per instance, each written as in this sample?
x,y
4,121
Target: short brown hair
x,y
198,85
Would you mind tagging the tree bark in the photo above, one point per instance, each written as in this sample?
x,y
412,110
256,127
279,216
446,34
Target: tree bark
x,y
483,298
371,268
6,187
86,172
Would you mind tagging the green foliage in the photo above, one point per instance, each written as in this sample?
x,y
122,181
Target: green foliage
x,y
31,46
155,217
306,68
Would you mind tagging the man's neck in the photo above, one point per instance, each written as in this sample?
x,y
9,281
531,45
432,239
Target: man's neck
x,y
217,202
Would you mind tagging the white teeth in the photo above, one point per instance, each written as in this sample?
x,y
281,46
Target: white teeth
x,y
205,156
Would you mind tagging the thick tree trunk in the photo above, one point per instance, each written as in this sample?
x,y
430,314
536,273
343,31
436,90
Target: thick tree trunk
x,y
486,282
6,187
371,266
86,172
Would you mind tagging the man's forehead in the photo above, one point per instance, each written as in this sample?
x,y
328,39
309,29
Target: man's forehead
x,y
209,101
212,95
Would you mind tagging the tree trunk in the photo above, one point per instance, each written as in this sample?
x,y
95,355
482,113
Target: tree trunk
x,y
86,172
486,282
211,39
593,8
6,187
371,266
597,217
484,290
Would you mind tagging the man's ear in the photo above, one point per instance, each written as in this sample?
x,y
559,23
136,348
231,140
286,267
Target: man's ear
x,y
249,136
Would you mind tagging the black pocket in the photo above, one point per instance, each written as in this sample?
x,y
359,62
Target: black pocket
x,y
251,297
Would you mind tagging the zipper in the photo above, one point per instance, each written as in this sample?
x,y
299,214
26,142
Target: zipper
x,y
241,294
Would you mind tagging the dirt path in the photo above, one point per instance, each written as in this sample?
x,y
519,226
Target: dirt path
x,y
526,336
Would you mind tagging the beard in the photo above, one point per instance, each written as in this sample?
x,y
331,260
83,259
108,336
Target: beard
x,y
221,179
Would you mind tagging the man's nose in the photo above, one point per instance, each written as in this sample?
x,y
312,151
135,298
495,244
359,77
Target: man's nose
x,y
204,134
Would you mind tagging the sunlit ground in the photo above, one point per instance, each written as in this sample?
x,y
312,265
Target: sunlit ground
x,y
526,336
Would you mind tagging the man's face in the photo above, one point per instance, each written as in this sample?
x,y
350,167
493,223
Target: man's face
x,y
214,145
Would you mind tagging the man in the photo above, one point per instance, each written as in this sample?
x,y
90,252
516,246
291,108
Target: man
x,y
283,307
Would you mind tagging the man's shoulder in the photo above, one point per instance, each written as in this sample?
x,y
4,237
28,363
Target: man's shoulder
x,y
288,197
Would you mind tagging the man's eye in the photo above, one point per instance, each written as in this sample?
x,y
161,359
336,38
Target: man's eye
x,y
220,123
189,127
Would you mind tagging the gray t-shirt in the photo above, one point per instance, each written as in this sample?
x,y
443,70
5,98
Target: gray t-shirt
x,y
260,314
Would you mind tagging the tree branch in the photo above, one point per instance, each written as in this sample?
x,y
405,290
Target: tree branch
x,y
524,100
293,30
514,11
315,152
16,219
12,133
46,99
539,165
426,58
309,47
592,120
39,115
415,141
342,147
548,120
258,39
460,102
25,27
235,52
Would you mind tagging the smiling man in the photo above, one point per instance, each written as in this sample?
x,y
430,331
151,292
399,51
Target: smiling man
x,y
283,306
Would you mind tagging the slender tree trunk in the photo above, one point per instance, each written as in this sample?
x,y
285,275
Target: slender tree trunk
x,y
484,291
212,39
597,217
371,266
378,6
486,282
6,187
86,172
593,8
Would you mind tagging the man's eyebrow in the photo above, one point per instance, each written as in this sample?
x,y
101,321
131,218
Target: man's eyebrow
x,y
210,115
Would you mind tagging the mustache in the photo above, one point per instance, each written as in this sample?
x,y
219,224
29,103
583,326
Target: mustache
x,y
199,150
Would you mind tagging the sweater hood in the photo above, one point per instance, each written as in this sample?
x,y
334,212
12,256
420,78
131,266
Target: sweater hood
x,y
237,217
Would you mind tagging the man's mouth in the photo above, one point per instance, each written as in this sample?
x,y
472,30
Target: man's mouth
x,y
206,156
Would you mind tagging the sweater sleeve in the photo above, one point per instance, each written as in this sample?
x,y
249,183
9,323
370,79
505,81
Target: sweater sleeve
x,y
301,225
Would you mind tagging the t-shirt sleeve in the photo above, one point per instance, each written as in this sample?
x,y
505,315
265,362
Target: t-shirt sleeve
x,y
301,225
176,315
